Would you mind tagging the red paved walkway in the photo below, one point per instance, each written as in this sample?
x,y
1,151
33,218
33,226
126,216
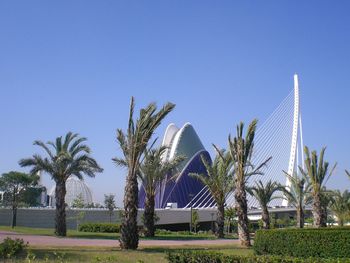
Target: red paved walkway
x,y
81,242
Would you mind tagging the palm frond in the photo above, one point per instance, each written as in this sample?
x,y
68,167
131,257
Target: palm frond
x,y
42,145
120,162
76,143
64,163
264,193
347,173
316,169
82,148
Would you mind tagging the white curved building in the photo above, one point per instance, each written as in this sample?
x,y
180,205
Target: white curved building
x,y
184,142
180,142
75,188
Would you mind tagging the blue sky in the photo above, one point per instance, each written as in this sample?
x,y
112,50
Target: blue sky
x,y
73,65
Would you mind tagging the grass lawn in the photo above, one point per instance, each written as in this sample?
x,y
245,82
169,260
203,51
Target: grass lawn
x,y
50,232
92,235
153,254
98,254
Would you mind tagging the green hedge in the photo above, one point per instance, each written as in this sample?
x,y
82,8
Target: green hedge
x,y
11,247
214,257
321,242
99,227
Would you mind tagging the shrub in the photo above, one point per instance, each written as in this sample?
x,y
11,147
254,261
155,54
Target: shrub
x,y
321,242
163,232
11,247
99,227
214,257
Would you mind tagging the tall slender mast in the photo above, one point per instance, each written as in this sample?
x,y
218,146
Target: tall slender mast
x,y
294,143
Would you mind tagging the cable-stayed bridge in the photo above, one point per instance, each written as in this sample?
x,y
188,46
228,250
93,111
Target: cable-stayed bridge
x,y
280,137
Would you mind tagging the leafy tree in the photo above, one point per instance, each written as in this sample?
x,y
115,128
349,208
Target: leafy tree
x,y
309,220
241,150
94,205
230,214
133,145
326,200
317,171
78,202
340,206
78,217
31,197
110,205
195,219
153,170
65,158
264,195
219,181
297,195
15,184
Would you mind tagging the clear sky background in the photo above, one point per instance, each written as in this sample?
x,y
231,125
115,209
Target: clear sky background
x,y
73,66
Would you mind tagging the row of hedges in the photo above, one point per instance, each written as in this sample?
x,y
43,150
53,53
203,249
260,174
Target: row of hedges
x,y
99,227
321,242
214,257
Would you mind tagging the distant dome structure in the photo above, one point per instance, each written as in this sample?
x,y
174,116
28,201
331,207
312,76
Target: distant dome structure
x,y
75,188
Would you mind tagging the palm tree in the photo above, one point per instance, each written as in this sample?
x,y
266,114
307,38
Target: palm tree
x,y
347,173
65,158
264,195
153,171
133,145
241,150
297,195
340,206
317,171
219,181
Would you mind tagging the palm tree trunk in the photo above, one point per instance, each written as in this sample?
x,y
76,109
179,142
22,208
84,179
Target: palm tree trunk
x,y
60,218
14,208
220,221
129,238
340,221
265,218
242,214
317,211
324,216
149,216
300,217
14,216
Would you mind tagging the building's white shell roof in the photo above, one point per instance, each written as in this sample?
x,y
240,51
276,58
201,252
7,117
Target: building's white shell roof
x,y
184,142
75,187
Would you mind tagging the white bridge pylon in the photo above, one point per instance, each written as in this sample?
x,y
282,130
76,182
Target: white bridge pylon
x,y
281,137
297,135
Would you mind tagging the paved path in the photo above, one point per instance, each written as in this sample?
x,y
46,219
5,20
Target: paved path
x,y
52,241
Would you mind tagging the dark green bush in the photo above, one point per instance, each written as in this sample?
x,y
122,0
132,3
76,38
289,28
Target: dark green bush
x,y
214,257
99,227
163,232
321,242
11,247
